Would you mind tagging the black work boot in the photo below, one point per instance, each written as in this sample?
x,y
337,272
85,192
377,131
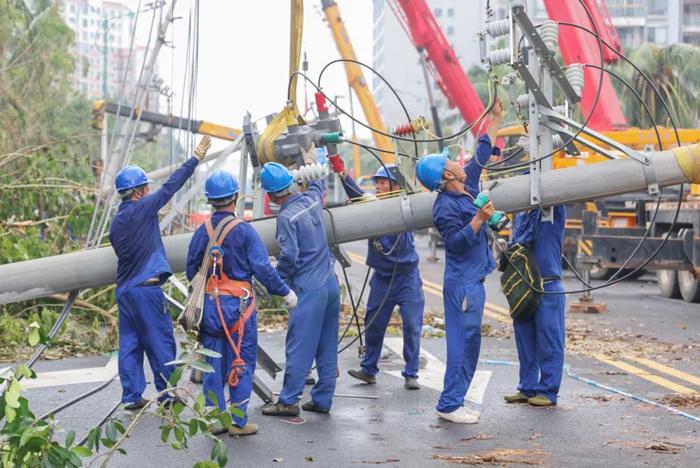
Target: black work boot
x,y
135,405
311,406
363,376
280,409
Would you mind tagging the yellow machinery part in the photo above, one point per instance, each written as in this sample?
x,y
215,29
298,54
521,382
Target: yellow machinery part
x,y
357,81
289,114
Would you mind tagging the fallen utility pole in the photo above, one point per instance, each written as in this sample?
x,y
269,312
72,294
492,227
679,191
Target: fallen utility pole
x,y
92,268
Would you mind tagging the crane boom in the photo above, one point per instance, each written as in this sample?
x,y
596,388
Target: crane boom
x,y
428,38
578,46
356,79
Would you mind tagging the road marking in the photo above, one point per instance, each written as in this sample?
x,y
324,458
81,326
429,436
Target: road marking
x,y
665,369
72,376
641,373
502,314
432,375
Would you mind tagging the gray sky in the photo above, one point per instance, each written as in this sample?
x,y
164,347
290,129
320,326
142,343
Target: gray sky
x,y
244,55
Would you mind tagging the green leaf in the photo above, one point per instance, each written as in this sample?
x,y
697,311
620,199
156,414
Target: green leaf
x,y
202,366
12,394
208,352
179,434
121,450
177,362
34,334
70,438
199,403
119,425
213,399
165,434
107,443
178,407
235,411
192,427
175,376
74,459
221,453
205,464
82,451
22,370
111,431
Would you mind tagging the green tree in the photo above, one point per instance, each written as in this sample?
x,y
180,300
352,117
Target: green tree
x,y
675,71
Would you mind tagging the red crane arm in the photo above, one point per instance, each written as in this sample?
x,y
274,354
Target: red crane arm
x,y
426,35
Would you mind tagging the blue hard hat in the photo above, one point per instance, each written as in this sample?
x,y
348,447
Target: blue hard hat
x,y
220,184
130,177
429,170
275,177
382,172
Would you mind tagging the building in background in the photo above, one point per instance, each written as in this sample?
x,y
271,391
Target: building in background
x,y
662,22
395,57
102,40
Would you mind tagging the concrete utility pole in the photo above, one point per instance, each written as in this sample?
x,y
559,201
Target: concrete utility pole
x,y
92,268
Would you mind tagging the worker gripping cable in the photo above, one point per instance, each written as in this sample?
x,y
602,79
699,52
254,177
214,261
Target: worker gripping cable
x,y
463,226
395,282
142,267
539,336
306,264
234,254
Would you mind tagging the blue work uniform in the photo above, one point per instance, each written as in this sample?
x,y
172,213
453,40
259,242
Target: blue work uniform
x,y
395,282
468,262
144,318
245,257
539,338
306,265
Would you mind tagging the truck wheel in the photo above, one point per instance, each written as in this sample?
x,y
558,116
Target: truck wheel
x,y
668,283
689,286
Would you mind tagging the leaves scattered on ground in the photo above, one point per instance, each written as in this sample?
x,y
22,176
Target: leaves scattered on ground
x,y
500,457
479,436
682,400
598,397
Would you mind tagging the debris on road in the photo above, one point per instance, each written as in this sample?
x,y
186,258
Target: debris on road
x,y
691,400
499,457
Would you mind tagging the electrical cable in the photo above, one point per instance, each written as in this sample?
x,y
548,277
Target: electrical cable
x,y
99,424
79,398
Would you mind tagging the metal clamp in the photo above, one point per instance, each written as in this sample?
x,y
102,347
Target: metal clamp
x,y
650,174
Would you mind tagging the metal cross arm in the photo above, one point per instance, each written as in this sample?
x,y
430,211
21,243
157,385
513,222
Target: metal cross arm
x,y
554,121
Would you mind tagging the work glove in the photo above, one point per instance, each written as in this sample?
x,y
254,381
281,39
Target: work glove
x,y
310,156
291,300
201,150
337,163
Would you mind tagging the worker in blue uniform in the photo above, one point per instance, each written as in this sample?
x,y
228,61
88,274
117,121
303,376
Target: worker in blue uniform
x,y
142,267
468,262
244,257
395,282
539,337
306,265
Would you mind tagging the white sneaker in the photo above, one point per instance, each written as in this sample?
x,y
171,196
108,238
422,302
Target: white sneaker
x,y
461,415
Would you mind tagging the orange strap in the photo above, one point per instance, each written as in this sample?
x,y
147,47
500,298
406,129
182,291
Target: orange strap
x,y
217,286
233,288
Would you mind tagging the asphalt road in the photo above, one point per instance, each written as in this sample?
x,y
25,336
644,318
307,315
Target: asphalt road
x,y
620,363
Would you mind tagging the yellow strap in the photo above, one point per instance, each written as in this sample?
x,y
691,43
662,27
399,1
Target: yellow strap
x,y
296,30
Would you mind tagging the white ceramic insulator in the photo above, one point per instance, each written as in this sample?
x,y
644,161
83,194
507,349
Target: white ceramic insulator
x,y
574,73
498,28
310,172
523,101
500,56
557,141
524,142
549,32
560,109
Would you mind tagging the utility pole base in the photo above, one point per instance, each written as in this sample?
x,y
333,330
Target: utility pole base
x,y
586,305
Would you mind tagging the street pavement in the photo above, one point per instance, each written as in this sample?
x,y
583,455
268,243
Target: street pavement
x,y
621,365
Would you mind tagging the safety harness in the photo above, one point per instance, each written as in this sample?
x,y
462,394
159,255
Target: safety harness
x,y
222,285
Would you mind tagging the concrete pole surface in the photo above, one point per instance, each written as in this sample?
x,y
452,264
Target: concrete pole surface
x,y
92,268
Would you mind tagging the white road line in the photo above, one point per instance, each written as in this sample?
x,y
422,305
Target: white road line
x,y
72,376
433,373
